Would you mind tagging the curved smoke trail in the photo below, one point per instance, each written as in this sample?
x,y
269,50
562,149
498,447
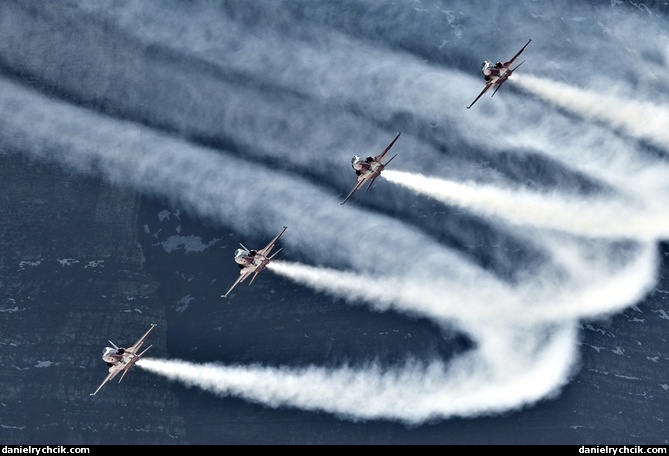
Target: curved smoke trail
x,y
204,109
414,392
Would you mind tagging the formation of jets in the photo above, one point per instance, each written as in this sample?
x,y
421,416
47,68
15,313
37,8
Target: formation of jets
x,y
251,261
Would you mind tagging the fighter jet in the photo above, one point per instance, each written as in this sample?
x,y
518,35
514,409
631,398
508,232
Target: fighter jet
x,y
497,74
252,262
369,168
122,359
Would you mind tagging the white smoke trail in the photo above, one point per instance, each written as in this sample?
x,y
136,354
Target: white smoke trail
x,y
441,298
525,336
316,63
413,392
213,185
640,119
595,217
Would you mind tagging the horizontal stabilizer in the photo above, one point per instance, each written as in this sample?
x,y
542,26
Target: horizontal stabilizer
x,y
125,371
145,350
382,167
391,159
518,65
255,274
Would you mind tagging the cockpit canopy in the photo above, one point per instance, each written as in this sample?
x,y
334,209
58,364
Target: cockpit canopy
x,y
108,355
244,257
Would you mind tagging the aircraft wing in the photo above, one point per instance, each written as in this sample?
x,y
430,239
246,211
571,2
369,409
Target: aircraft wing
x,y
135,348
268,248
113,372
242,276
508,64
379,157
361,180
485,89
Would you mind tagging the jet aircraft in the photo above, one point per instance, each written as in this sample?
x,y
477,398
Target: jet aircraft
x,y
122,359
498,73
369,168
252,262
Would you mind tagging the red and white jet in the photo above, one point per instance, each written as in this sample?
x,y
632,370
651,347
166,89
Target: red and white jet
x,y
498,73
122,359
369,168
253,261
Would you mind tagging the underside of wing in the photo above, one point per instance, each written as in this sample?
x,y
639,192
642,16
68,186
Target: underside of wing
x,y
268,248
378,173
379,157
514,69
371,181
485,89
355,189
508,64
135,348
496,89
104,382
255,274
240,279
127,368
